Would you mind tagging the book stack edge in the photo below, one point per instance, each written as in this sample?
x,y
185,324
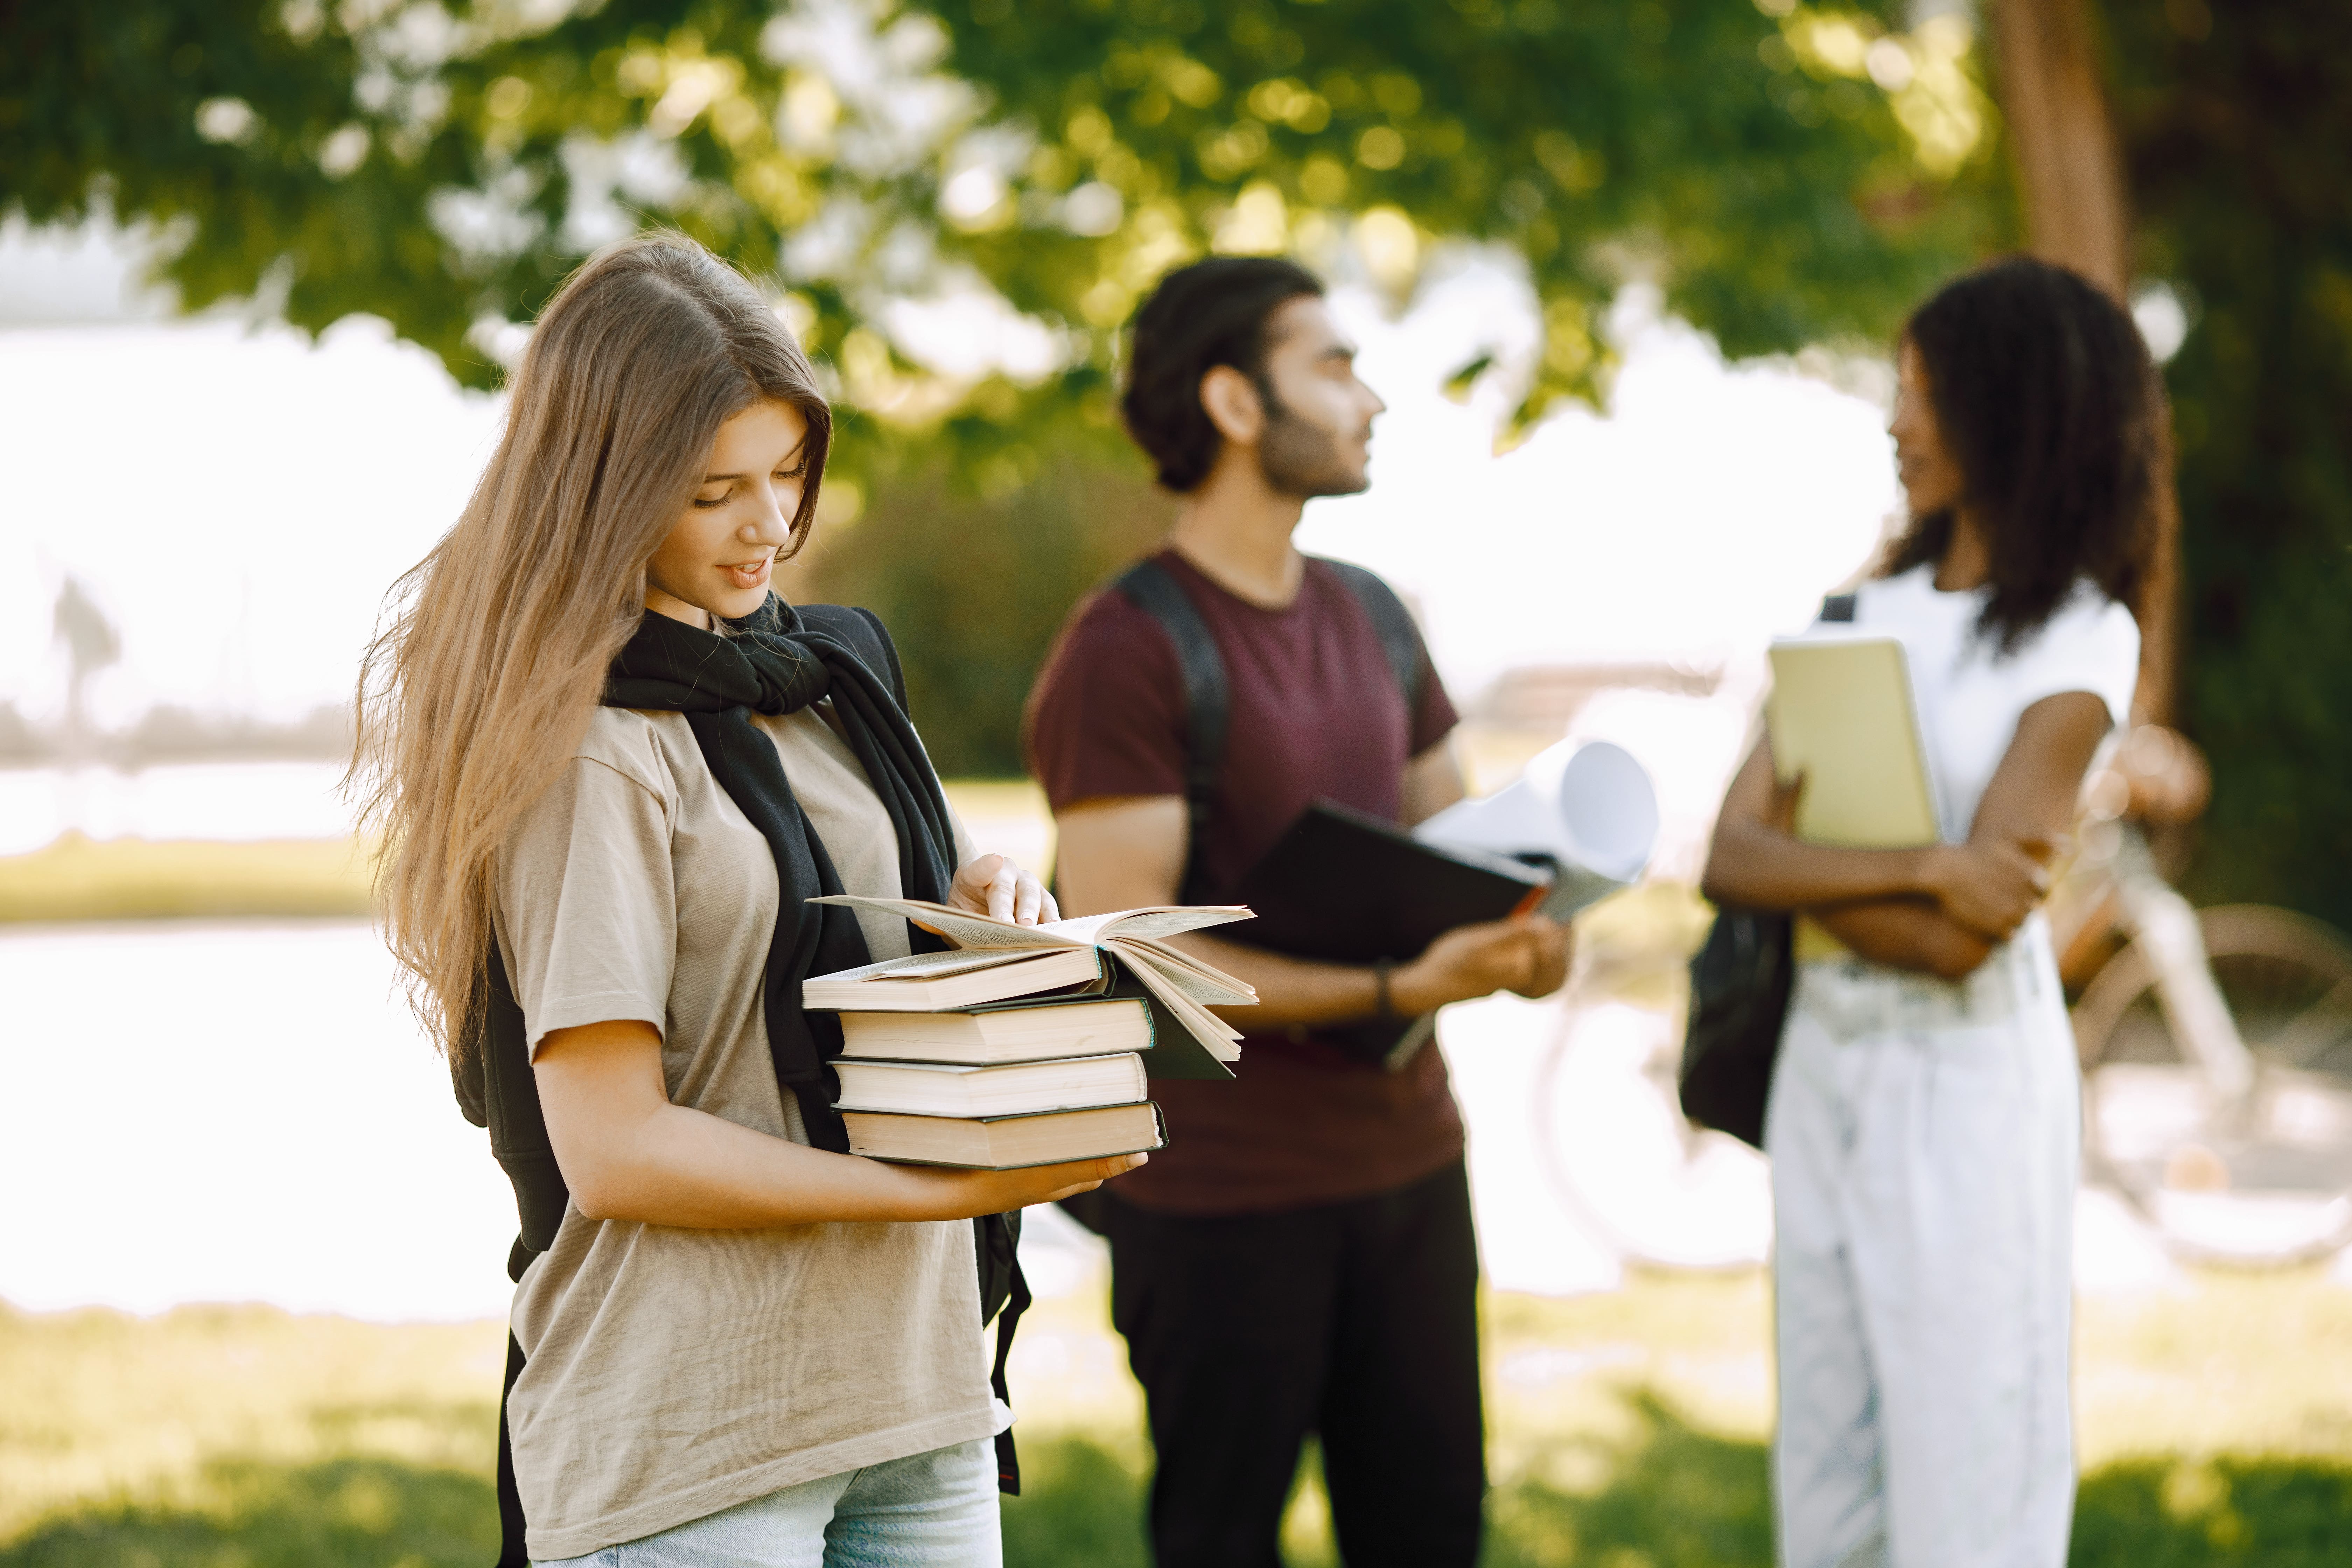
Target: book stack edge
x,y
1029,1052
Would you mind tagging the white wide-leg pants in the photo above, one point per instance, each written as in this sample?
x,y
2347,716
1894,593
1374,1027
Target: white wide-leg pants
x,y
1924,1140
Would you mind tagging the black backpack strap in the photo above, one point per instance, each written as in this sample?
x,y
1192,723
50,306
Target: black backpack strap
x,y
498,1090
1017,1301
1400,638
1839,606
1208,698
512,1527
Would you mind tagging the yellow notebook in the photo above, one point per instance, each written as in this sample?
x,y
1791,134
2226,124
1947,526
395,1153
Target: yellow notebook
x,y
1842,713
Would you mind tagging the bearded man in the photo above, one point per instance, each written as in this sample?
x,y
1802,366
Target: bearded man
x,y
1300,1259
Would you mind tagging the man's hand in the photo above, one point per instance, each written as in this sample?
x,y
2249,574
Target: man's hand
x,y
993,885
1526,954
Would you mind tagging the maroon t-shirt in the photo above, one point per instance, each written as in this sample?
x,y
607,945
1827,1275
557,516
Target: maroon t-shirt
x,y
1316,713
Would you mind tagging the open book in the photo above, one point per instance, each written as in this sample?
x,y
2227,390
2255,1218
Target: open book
x,y
1181,985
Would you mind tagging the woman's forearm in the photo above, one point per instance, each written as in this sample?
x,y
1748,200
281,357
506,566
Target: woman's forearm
x,y
1907,934
628,1153
1756,862
679,1166
1759,868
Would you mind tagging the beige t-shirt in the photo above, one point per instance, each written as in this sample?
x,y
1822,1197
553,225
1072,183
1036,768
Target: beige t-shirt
x,y
673,1372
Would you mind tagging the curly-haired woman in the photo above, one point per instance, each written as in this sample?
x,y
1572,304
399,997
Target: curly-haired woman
x,y
1924,1120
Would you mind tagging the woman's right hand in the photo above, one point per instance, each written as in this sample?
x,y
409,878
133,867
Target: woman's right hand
x,y
972,1193
1988,888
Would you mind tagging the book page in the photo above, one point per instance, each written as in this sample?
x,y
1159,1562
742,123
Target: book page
x,y
961,926
1217,1037
968,930
1203,983
1158,921
926,965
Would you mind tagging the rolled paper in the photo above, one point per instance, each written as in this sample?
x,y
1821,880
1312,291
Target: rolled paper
x,y
1588,806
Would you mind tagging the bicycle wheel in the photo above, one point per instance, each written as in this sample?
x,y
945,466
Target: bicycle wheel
x,y
2264,1180
1617,1153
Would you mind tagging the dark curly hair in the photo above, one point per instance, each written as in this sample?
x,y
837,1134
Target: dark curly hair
x,y
2046,397
1210,313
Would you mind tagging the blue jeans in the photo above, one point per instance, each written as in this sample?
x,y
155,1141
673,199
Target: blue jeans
x,y
926,1510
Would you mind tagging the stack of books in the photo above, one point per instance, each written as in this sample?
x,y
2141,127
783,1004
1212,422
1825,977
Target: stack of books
x,y
1025,1044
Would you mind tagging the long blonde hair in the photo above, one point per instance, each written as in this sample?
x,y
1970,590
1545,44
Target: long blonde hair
x,y
492,657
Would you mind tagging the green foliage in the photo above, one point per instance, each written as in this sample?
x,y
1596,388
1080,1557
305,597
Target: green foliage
x,y
973,587
1788,175
2237,121
1787,181
1788,171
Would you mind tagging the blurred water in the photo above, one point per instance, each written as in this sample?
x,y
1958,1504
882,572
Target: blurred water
x,y
233,1112
194,800
246,1112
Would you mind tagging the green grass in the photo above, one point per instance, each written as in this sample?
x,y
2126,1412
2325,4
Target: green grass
x,y
1628,1431
364,1513
78,879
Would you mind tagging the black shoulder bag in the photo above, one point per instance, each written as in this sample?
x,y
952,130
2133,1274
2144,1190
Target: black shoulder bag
x,y
1740,984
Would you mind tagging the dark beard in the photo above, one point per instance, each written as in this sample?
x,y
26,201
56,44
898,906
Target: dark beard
x,y
1300,458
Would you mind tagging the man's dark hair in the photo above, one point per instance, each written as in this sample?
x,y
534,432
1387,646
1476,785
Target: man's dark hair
x,y
1210,313
2045,394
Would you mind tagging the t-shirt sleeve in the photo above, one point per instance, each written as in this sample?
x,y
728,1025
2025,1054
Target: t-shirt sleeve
x,y
1107,717
1433,717
586,902
2091,645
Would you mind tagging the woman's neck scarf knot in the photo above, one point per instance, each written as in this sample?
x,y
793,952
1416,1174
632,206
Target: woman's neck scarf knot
x,y
775,662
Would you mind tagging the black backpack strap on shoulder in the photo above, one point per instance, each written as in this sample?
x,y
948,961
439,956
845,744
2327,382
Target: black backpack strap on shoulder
x,y
1207,698
863,631
1839,607
1400,638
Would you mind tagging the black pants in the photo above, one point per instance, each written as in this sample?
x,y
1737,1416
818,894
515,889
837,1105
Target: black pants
x,y
1357,1321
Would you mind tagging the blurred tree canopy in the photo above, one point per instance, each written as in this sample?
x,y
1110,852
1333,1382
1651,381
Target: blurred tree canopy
x,y
2236,122
1787,173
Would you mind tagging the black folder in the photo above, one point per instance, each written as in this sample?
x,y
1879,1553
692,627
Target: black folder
x,y
1345,887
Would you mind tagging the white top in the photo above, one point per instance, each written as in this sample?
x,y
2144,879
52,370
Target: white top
x,y
1970,695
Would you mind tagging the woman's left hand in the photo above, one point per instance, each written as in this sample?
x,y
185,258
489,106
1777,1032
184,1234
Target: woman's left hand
x,y
993,885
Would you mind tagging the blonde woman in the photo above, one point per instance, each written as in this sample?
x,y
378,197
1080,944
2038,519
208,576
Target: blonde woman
x,y
611,767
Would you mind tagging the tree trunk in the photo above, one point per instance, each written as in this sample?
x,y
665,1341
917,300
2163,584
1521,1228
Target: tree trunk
x,y
2070,187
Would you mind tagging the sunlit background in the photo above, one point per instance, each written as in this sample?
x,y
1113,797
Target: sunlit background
x,y
251,1258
